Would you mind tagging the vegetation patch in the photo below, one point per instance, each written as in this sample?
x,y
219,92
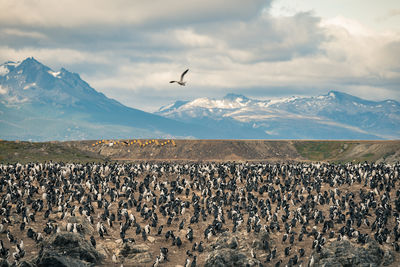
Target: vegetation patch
x,y
24,152
321,150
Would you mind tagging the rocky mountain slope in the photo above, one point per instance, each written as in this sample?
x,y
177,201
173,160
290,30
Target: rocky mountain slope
x,y
37,103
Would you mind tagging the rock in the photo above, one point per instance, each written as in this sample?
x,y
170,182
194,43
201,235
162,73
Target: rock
x,y
344,253
51,258
68,248
141,258
225,251
26,263
229,257
151,239
135,255
225,240
4,263
388,258
264,236
257,244
129,249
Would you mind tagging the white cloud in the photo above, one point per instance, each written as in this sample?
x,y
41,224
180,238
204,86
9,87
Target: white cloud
x,y
189,38
3,90
134,51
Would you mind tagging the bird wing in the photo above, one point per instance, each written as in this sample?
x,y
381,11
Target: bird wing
x,y
183,74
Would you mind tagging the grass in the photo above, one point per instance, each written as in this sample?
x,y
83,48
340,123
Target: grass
x,y
24,152
321,150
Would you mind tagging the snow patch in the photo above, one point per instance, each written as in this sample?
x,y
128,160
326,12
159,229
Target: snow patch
x,y
55,74
281,100
12,63
3,70
16,100
26,87
3,90
217,104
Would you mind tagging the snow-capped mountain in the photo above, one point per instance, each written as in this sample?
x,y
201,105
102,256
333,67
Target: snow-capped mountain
x,y
335,115
38,103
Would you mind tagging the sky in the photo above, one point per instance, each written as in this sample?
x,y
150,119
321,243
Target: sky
x,y
130,50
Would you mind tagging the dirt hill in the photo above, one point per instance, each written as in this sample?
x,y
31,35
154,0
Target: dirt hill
x,y
202,150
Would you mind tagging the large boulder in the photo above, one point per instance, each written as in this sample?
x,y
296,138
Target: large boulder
x,y
229,257
135,255
225,241
4,263
67,249
226,251
50,258
26,263
344,253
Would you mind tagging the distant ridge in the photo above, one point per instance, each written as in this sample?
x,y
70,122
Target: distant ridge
x,y
335,115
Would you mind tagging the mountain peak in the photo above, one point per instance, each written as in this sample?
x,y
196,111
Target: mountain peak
x,y
31,61
172,106
31,64
339,94
344,97
232,96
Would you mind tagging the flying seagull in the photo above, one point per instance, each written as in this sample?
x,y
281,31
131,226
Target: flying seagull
x,y
181,82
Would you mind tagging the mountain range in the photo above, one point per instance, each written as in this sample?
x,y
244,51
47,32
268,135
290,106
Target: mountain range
x,y
39,104
335,115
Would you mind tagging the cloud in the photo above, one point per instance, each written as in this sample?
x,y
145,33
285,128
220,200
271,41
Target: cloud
x,y
55,58
130,50
22,33
390,14
74,13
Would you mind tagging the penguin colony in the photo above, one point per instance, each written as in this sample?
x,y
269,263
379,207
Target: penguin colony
x,y
186,206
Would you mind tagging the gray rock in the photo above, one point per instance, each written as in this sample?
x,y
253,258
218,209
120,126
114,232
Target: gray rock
x,y
344,253
50,258
226,251
67,249
4,263
260,240
229,257
264,236
225,241
26,263
129,249
141,258
135,255
388,258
